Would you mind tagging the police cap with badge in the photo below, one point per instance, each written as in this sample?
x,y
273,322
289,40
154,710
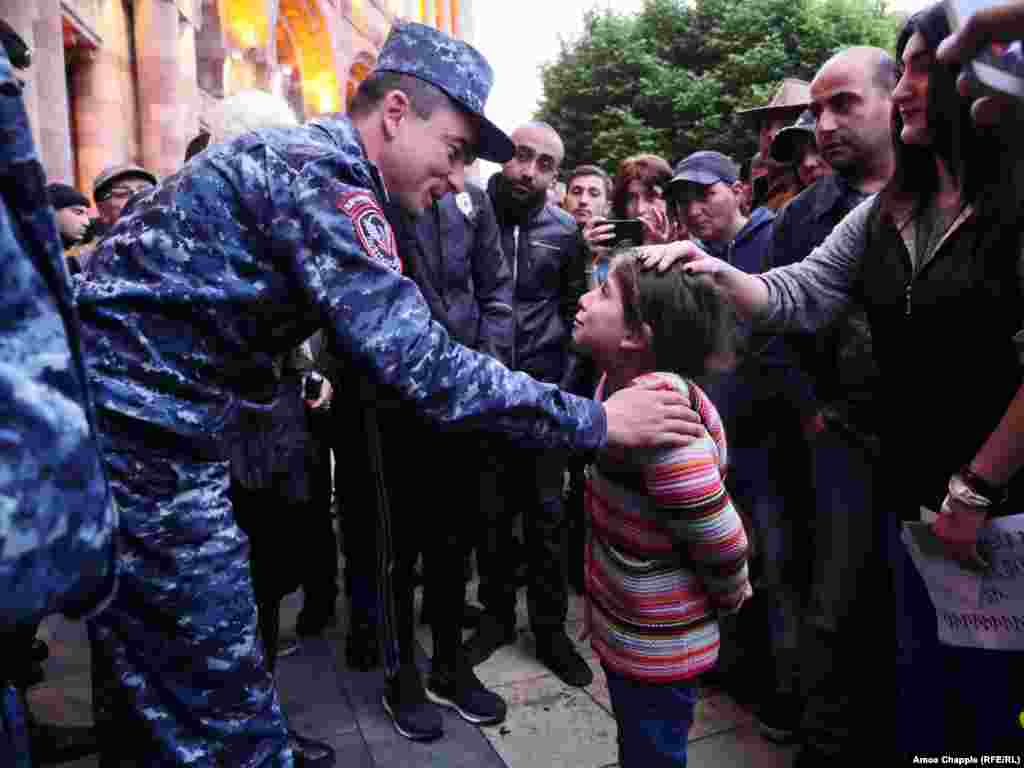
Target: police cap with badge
x,y
457,68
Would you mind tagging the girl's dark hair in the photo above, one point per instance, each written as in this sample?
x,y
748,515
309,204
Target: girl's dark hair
x,y
650,170
978,159
691,320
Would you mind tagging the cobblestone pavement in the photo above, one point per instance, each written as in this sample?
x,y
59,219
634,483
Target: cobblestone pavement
x,y
549,724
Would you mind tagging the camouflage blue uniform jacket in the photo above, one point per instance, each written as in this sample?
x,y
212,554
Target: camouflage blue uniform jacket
x,y
56,514
234,260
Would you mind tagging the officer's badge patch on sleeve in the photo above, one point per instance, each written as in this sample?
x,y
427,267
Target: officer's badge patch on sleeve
x,y
372,229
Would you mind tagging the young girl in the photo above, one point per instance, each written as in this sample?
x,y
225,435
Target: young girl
x,y
667,551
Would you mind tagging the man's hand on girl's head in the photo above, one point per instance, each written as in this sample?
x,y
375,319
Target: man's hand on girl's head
x,y
647,416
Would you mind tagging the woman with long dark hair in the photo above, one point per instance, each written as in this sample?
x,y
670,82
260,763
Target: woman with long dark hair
x,y
936,260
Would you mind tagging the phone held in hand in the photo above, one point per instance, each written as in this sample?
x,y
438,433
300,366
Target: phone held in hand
x,y
627,232
1000,66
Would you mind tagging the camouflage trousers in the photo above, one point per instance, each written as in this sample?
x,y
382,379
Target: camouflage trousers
x,y
179,677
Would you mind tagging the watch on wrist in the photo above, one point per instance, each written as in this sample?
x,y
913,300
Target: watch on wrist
x,y
993,493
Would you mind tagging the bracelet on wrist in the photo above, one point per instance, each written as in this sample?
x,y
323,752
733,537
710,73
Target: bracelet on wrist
x,y
994,494
962,494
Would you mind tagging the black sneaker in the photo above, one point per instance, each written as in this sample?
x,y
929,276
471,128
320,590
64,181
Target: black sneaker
x,y
491,635
557,652
310,753
407,705
460,689
778,718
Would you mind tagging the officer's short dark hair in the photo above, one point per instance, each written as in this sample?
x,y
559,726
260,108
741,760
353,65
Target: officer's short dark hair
x,y
424,97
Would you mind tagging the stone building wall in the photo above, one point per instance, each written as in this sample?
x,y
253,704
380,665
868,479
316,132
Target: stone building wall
x,y
116,81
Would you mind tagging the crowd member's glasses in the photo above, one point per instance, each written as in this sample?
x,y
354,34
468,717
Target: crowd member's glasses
x,y
124,191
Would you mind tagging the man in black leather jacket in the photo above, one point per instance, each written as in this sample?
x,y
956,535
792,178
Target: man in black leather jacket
x,y
543,247
453,254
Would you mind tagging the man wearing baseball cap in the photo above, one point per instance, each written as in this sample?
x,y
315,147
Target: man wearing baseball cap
x,y
251,247
705,187
796,146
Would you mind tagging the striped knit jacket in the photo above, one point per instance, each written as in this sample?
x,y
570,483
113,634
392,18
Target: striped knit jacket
x,y
666,552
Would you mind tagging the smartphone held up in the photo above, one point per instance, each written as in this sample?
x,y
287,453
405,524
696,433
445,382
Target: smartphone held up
x,y
627,232
1000,66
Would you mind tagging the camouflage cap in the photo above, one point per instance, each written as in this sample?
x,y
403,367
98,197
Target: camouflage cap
x,y
105,181
783,148
455,67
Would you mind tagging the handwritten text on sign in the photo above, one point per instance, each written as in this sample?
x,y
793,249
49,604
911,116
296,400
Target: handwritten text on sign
x,y
977,610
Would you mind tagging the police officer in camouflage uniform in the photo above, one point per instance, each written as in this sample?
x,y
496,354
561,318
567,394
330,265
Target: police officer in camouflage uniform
x,y
205,279
56,512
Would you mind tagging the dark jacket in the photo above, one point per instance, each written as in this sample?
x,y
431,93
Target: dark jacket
x,y
769,369
275,450
548,261
965,301
453,252
839,359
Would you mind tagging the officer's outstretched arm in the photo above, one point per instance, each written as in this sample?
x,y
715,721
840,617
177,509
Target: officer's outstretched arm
x,y
344,256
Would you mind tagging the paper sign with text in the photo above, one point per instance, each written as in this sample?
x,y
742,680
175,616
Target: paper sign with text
x,y
975,609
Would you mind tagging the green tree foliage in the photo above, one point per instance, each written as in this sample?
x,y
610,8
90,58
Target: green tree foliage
x,y
670,79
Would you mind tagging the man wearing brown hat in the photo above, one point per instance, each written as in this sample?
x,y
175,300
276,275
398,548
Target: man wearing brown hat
x,y
792,97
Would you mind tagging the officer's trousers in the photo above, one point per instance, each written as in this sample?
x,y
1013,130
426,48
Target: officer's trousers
x,y
179,676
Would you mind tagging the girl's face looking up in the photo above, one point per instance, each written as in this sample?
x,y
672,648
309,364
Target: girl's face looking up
x,y
600,327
